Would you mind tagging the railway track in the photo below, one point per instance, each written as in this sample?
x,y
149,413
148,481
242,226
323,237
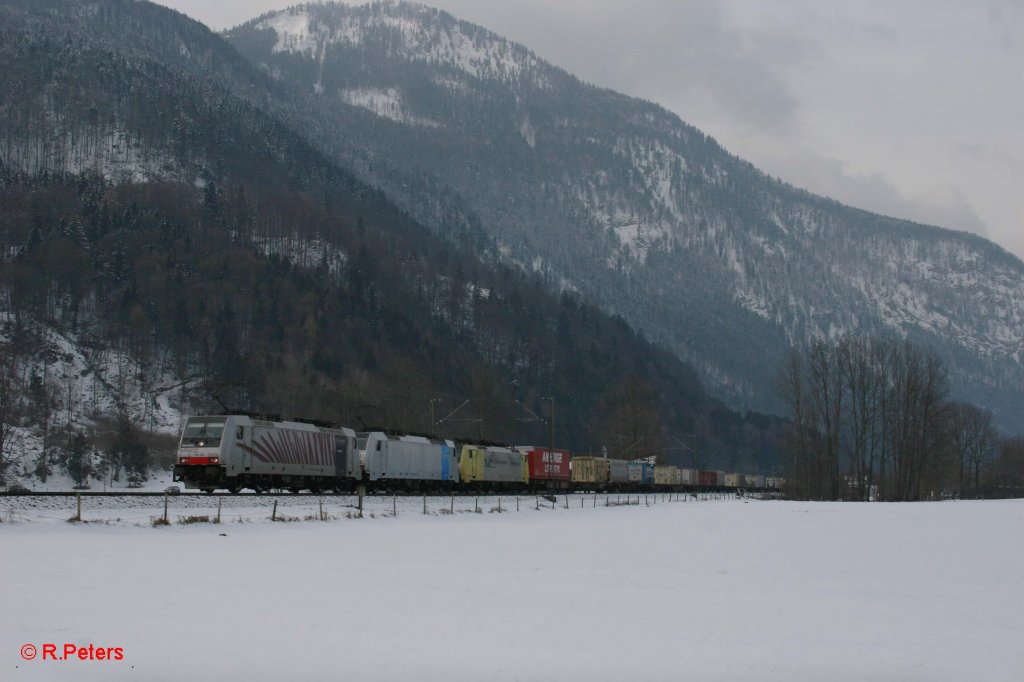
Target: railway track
x,y
305,493
288,494
159,493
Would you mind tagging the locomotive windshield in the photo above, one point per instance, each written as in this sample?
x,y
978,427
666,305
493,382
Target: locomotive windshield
x,y
203,431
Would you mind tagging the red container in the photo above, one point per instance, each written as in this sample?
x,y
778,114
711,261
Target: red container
x,y
546,464
708,478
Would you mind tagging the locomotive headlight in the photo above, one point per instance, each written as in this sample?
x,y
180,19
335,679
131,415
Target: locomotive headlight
x,y
215,460
183,460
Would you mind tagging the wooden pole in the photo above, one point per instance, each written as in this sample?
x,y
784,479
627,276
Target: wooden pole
x,y
273,514
165,507
78,509
424,505
394,504
361,490
219,500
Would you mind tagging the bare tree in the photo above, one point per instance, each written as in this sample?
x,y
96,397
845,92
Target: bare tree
x,y
9,392
865,410
1004,477
826,401
863,372
974,440
917,387
629,418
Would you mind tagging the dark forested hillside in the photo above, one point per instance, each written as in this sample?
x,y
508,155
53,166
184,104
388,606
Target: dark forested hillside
x,y
148,208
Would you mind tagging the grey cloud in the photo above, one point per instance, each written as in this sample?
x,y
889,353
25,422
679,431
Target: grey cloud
x,y
665,51
944,205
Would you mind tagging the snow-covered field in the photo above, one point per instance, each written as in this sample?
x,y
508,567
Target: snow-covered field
x,y
695,590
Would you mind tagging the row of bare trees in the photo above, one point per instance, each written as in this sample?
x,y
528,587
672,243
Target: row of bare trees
x,y
871,419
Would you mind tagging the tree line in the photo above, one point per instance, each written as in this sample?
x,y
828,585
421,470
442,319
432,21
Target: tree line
x,y
871,419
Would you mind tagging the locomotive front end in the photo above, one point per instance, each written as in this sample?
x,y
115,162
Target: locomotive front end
x,y
201,462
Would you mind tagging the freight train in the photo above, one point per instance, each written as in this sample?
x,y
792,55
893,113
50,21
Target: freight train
x,y
235,452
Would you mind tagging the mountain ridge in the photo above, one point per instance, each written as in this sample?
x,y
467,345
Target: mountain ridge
x,y
621,200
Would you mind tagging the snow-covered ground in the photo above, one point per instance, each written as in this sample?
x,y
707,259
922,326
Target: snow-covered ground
x,y
717,589
157,480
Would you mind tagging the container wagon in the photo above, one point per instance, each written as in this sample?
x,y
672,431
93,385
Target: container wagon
x,y
618,473
664,475
641,473
547,468
590,472
688,477
707,479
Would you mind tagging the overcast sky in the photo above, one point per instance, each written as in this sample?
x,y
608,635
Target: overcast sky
x,y
913,108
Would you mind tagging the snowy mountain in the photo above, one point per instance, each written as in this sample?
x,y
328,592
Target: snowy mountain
x,y
620,200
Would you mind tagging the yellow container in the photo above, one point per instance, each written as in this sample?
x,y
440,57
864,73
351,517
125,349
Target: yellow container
x,y
664,474
590,470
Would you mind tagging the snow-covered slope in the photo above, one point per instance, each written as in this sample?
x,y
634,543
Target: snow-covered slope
x,y
415,33
74,385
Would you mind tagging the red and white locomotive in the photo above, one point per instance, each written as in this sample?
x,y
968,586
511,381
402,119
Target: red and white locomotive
x,y
237,451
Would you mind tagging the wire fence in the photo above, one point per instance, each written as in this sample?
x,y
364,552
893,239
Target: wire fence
x,y
190,509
